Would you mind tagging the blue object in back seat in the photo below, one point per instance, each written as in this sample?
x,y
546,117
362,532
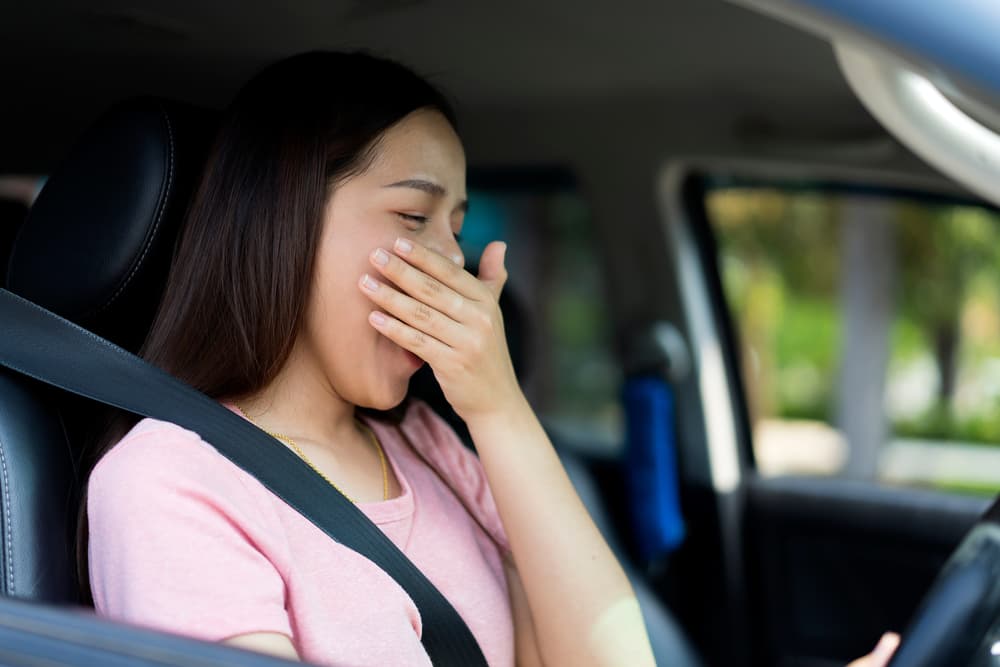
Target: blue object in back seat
x,y
651,466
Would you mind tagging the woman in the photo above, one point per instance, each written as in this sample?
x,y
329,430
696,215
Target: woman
x,y
318,269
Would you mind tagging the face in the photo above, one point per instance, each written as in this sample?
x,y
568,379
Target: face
x,y
415,188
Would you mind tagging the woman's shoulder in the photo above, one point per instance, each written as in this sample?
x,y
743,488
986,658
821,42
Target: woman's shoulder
x,y
155,444
177,541
157,457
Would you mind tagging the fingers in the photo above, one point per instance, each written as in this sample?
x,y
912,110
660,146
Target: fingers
x,y
886,646
419,343
882,653
448,272
408,310
492,271
422,285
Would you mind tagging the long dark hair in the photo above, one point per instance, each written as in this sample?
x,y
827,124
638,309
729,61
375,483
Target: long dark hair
x,y
236,295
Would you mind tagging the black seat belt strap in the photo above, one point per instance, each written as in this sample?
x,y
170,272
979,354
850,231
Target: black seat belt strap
x,y
44,346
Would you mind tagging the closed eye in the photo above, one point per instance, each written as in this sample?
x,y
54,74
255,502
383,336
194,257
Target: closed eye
x,y
422,220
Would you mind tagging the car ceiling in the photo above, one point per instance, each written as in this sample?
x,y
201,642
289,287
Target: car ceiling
x,y
611,89
710,69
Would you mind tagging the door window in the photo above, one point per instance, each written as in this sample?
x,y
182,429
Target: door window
x,y
869,330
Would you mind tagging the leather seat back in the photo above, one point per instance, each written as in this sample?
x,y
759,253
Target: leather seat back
x,y
95,249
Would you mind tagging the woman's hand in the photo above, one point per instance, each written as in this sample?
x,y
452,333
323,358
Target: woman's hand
x,y
450,319
441,313
882,653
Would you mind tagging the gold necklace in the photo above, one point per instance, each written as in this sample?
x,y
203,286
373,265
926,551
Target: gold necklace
x,y
291,443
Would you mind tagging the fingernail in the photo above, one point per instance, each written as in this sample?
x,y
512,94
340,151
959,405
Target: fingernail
x,y
377,318
404,246
458,259
886,646
369,283
381,257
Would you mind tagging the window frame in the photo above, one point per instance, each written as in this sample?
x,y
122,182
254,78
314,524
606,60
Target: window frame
x,y
684,189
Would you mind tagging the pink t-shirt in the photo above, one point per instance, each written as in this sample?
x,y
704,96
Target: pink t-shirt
x,y
184,541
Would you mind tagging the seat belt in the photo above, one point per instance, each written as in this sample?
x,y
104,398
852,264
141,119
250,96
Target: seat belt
x,y
39,344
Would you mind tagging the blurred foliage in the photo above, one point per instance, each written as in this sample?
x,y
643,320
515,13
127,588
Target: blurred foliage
x,y
940,423
964,487
585,377
780,259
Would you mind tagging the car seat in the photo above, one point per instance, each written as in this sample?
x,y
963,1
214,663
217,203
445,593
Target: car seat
x,y
94,248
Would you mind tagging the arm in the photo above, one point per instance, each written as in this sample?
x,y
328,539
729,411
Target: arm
x,y
584,610
583,606
525,638
272,643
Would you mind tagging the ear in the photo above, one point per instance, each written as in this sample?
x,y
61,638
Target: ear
x,y
492,271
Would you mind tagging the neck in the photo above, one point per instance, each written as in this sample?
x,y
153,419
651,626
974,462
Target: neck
x,y
301,404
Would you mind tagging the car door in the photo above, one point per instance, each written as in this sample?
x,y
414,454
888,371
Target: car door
x,y
862,393
840,432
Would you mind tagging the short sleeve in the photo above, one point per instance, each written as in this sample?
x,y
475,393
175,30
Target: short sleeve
x,y
441,447
178,542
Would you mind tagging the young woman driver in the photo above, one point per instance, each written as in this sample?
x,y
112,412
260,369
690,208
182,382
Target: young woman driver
x,y
317,270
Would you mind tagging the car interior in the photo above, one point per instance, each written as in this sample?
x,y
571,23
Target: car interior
x,y
621,149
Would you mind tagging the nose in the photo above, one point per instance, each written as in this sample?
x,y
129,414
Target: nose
x,y
446,244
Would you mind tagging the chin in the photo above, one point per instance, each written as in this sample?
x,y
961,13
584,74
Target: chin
x,y
386,397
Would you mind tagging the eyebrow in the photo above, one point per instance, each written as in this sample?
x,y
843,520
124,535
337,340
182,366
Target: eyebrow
x,y
430,188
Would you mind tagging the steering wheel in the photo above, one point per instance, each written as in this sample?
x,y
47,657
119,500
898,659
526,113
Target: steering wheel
x,y
958,621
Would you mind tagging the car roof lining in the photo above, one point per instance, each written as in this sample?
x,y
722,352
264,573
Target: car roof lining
x,y
673,58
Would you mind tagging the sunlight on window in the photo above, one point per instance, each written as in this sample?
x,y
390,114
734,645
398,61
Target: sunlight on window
x,y
870,332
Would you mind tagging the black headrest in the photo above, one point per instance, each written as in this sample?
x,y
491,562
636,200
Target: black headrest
x,y
97,243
